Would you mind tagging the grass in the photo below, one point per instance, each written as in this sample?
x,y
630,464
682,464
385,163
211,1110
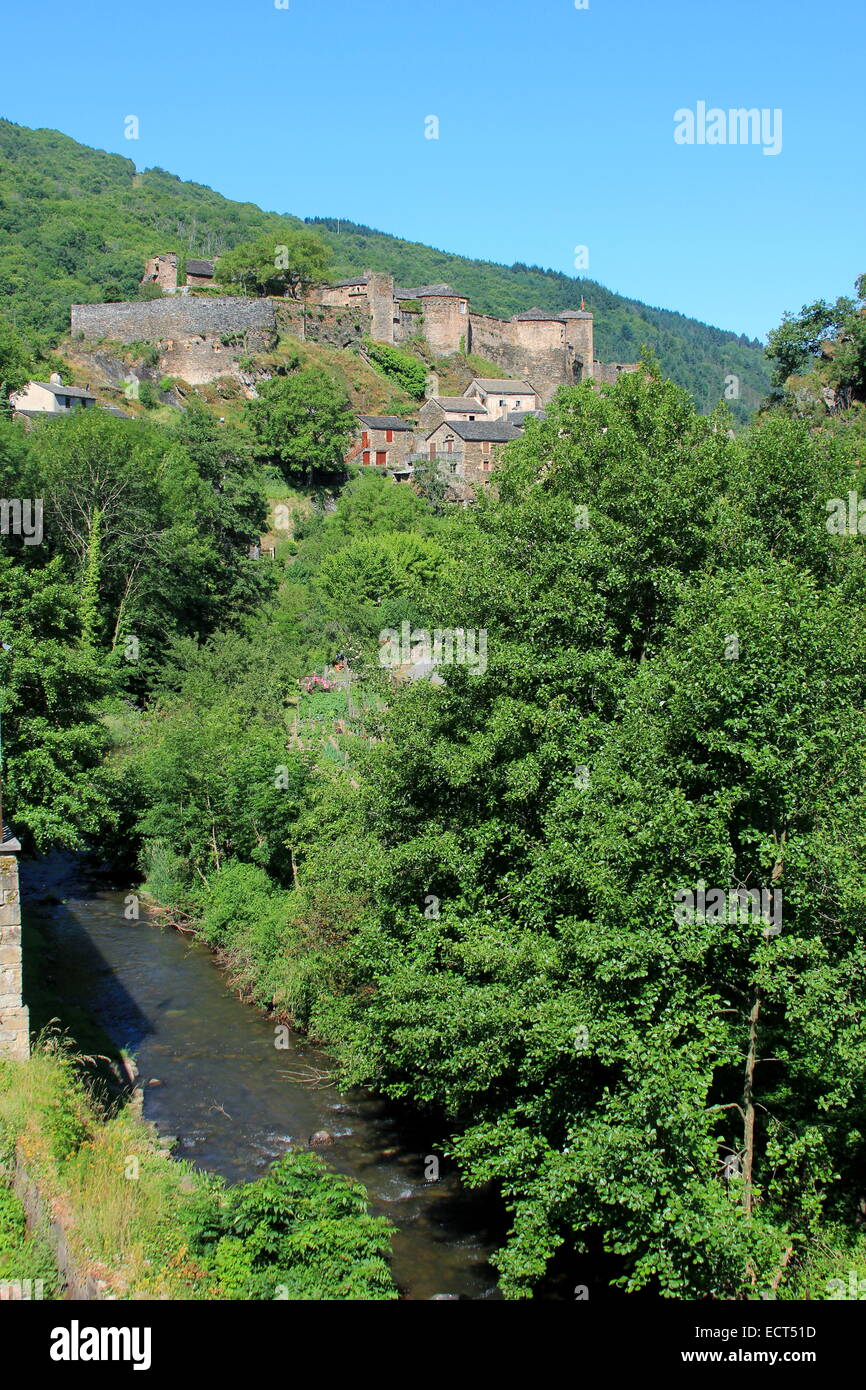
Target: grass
x,y
125,1206
24,1257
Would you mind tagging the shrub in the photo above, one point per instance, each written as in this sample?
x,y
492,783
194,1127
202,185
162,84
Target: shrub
x,y
406,371
300,1233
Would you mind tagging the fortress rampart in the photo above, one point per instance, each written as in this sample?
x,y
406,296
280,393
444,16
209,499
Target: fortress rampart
x,y
180,316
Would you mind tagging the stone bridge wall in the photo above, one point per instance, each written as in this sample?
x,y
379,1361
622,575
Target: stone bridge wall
x,y
14,1014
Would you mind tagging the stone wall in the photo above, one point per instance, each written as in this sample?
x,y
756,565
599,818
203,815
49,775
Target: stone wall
x,y
181,316
81,1284
610,372
411,323
199,360
533,351
292,316
14,1014
334,325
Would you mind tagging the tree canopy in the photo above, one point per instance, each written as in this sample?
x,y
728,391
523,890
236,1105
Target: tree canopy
x,y
267,267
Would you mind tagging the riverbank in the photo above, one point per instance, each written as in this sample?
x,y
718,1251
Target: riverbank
x,y
230,1092
127,1221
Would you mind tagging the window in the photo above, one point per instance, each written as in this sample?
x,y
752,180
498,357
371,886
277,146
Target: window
x,y
463,306
381,457
365,439
501,402
389,436
366,456
517,405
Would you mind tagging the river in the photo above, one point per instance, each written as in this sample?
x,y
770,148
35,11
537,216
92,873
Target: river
x,y
234,1101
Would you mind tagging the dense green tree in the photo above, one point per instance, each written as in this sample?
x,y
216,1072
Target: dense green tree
x,y
16,363
265,266
176,511
55,790
218,779
300,1233
303,423
672,699
836,332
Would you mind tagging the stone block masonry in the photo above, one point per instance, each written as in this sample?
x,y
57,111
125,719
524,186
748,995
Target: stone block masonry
x,y
14,1014
185,316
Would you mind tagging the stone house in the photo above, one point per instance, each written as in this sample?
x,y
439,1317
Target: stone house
x,y
502,398
199,273
51,397
468,449
383,441
438,408
344,294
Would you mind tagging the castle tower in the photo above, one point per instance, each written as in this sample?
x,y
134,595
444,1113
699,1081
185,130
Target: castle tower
x,y
579,343
446,319
380,301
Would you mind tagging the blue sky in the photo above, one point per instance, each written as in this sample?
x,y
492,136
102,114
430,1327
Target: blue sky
x,y
555,128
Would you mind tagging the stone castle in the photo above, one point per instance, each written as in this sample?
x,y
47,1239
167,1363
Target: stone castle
x,y
201,337
549,349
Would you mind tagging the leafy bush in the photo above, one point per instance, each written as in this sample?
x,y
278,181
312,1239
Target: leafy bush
x,y
147,395
299,1233
406,371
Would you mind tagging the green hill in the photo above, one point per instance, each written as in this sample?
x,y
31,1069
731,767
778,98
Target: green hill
x,y
77,224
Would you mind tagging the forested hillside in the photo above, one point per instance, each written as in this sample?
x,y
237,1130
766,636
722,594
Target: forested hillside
x,y
77,224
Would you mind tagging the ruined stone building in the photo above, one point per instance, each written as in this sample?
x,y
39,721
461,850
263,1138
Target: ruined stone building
x,y
162,271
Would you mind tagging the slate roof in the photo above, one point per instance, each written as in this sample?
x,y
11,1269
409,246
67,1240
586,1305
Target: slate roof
x,y
468,404
506,386
575,314
199,267
347,284
425,291
384,422
65,390
519,417
497,431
